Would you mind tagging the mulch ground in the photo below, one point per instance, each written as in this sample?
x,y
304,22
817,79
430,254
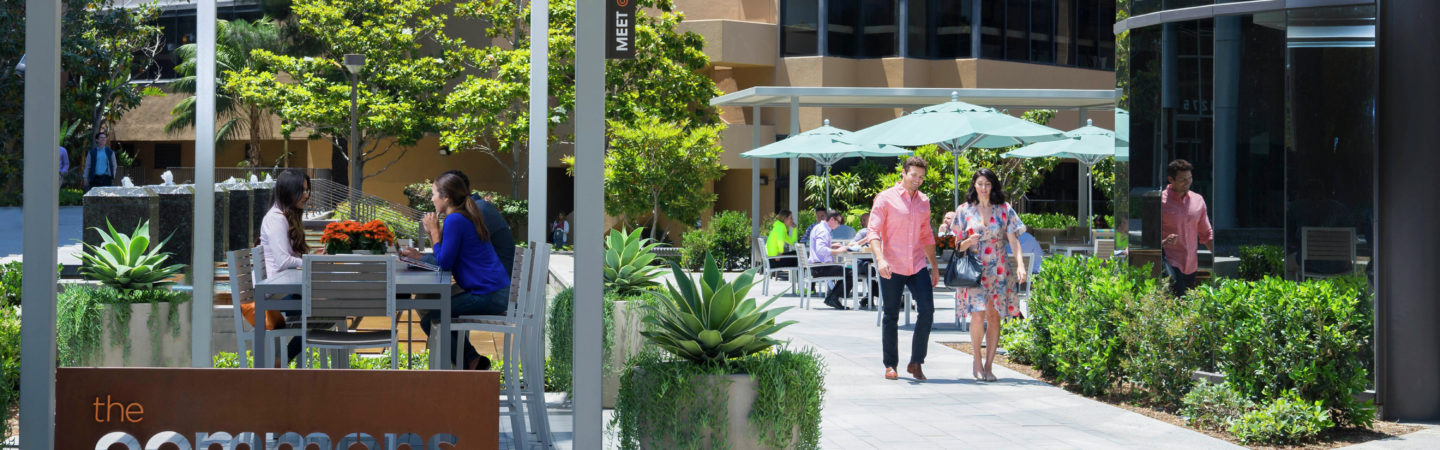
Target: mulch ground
x,y
1333,438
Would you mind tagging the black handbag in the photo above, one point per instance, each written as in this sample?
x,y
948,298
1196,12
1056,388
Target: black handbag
x,y
963,270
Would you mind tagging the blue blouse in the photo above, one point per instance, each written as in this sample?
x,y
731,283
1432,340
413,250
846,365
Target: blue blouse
x,y
473,262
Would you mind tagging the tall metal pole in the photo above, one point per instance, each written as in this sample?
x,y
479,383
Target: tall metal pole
x,y
40,220
539,128
589,221
755,179
539,113
795,162
354,144
204,220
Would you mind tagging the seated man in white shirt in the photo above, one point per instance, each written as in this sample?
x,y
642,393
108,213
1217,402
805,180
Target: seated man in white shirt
x,y
822,252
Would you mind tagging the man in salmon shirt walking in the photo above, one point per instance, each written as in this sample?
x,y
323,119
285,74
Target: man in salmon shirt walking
x,y
1185,224
904,244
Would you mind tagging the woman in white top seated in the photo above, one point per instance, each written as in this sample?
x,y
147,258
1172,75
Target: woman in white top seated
x,y
282,233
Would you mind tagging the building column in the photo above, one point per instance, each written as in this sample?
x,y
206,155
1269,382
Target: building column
x,y
40,218
1407,340
589,220
1227,120
203,293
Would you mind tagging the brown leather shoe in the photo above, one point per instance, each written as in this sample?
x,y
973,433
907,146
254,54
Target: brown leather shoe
x,y
890,374
914,369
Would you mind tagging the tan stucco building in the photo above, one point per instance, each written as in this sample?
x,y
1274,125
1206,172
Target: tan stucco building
x,y
1052,44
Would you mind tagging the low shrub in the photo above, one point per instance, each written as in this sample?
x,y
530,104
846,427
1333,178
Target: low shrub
x,y
1164,343
10,274
72,197
1260,261
1083,343
9,365
694,246
1286,420
417,195
1018,340
1214,406
1051,220
732,239
1308,338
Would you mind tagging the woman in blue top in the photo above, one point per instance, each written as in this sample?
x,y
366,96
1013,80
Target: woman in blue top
x,y
482,286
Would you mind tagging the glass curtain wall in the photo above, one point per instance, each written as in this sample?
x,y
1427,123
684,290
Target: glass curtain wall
x,y
1276,113
800,28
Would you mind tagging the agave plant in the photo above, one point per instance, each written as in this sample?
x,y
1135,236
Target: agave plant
x,y
627,263
713,322
123,263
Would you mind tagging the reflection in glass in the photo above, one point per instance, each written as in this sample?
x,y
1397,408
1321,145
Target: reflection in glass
x,y
939,29
842,22
880,37
800,25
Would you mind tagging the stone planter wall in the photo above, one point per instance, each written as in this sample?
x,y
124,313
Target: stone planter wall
x,y
147,349
625,341
740,394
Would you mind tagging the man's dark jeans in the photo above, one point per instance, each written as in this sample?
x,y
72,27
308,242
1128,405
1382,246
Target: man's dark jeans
x,y
839,289
924,295
1180,282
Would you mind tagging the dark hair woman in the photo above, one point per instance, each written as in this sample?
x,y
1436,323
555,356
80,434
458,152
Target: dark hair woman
x,y
985,222
462,247
282,236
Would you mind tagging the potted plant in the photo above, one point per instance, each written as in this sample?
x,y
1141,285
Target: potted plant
x,y
629,276
348,236
101,324
716,380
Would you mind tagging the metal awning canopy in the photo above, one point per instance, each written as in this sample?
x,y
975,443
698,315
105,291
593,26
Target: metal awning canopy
x,y
882,97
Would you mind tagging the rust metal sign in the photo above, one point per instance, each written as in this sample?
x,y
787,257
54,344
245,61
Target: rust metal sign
x,y
141,408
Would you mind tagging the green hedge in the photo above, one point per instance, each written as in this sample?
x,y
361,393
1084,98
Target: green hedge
x,y
9,365
1053,220
1260,261
726,237
1095,324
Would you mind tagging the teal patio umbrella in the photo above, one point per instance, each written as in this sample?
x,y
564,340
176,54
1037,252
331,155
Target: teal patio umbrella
x,y
1088,145
821,145
955,126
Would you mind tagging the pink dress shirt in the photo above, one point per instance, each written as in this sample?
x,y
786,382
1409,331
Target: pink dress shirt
x,y
1184,217
902,223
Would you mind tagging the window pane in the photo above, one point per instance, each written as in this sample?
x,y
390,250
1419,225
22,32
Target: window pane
x,y
992,22
799,36
1017,22
881,24
1106,32
940,28
1065,32
1088,32
843,20
1042,43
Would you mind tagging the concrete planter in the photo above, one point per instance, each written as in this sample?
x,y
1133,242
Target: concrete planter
x,y
625,341
740,393
149,334
1046,236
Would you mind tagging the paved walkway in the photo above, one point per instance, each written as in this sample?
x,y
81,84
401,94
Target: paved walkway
x,y
69,248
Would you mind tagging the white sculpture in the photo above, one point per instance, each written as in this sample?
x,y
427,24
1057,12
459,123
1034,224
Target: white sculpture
x,y
125,182
167,178
268,179
253,178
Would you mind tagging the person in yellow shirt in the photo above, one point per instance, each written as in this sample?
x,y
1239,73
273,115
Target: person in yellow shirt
x,y
781,241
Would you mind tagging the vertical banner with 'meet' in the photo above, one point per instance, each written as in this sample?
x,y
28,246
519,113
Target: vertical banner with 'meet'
x,y
620,29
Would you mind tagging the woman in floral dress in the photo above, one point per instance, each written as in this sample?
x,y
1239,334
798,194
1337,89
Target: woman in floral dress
x,y
984,220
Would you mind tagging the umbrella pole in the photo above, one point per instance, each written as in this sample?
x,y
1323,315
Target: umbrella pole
x,y
955,180
827,187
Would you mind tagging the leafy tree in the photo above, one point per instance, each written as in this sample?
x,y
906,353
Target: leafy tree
x,y
855,188
402,86
940,178
1019,175
658,167
233,45
101,47
489,111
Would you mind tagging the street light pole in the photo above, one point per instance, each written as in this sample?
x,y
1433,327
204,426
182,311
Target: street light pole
x,y
353,64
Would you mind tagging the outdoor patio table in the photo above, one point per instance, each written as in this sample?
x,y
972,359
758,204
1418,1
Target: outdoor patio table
x,y
407,281
1071,249
852,260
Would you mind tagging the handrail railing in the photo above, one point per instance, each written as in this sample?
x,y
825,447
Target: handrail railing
x,y
329,196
